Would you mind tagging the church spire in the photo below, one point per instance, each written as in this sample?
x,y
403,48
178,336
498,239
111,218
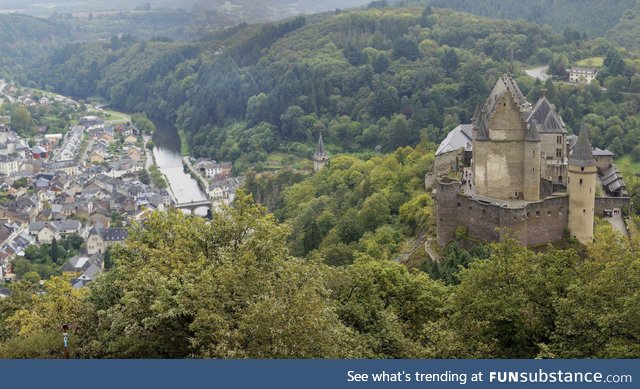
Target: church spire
x,y
320,148
320,159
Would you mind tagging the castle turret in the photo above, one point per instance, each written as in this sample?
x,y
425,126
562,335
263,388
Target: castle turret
x,y
582,189
531,186
320,159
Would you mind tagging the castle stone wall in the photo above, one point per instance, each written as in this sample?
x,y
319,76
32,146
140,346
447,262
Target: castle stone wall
x,y
602,203
534,224
498,169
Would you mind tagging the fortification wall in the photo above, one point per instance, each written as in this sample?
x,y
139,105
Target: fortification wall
x,y
534,224
602,203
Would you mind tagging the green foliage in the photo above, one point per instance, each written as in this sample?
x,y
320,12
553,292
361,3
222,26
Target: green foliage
x,y
343,210
142,123
224,289
20,183
184,287
156,177
21,120
592,17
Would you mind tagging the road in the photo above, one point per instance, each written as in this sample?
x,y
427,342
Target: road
x,y
618,224
539,72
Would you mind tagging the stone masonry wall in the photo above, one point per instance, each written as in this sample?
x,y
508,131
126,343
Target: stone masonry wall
x,y
534,224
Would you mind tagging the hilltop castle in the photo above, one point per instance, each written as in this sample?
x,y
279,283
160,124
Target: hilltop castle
x,y
515,169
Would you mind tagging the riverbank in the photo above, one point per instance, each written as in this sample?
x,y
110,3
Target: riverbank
x,y
150,160
184,145
204,184
169,145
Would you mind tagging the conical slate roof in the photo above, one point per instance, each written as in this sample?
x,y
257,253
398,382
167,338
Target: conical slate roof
x,y
320,148
582,154
531,134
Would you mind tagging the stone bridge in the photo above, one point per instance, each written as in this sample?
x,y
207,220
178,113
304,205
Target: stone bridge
x,y
194,205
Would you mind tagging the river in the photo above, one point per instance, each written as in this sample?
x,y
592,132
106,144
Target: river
x,y
168,158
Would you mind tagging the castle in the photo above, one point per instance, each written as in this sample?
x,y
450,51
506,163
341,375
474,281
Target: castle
x,y
515,170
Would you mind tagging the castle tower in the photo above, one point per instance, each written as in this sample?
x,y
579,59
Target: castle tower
x,y
531,184
506,150
320,159
582,189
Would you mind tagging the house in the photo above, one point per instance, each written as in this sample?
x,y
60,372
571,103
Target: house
x,y
97,156
80,263
135,154
8,166
66,155
44,232
210,169
68,227
84,268
100,216
68,167
101,238
39,152
53,138
582,75
46,196
107,138
88,121
130,139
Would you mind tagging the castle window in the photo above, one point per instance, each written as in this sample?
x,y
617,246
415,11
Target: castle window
x,y
558,153
581,181
560,211
560,178
548,213
582,168
484,211
537,213
559,140
584,211
528,214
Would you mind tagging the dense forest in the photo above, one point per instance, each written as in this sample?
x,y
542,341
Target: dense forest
x,y
591,17
367,79
183,287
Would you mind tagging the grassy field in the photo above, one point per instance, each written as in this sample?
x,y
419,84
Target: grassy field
x,y
276,161
626,159
593,61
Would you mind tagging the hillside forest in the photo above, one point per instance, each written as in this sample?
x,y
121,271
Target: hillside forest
x,y
333,264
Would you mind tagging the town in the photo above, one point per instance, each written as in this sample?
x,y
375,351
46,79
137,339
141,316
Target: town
x,y
66,197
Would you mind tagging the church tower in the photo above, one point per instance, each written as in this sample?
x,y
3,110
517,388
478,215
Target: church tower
x,y
582,189
320,159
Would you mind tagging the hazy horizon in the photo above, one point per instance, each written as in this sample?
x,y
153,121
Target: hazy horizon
x,y
40,8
